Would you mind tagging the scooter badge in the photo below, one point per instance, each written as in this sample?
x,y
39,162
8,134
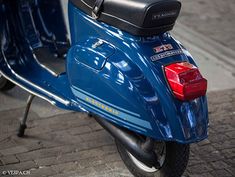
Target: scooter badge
x,y
162,48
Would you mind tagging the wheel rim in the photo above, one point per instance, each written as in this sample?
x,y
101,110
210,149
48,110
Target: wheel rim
x,y
160,150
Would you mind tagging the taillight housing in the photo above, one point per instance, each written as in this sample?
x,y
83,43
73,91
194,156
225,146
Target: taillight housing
x,y
185,81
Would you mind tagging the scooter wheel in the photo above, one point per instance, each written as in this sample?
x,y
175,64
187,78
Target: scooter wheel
x,y
5,84
172,157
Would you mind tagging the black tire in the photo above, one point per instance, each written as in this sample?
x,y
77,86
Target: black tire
x,y
174,165
5,84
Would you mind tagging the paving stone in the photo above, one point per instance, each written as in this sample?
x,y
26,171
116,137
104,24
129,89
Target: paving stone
x,y
201,175
42,172
79,130
42,153
95,127
218,137
194,159
206,149
66,167
87,172
9,159
99,160
231,134
228,144
116,165
212,156
200,168
229,153
220,128
77,156
231,161
7,143
230,169
94,135
46,161
219,165
19,166
14,150
224,173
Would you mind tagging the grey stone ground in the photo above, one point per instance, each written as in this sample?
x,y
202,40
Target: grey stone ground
x,y
61,143
73,144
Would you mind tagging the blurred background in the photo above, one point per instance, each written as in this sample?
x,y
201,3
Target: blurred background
x,y
62,143
212,18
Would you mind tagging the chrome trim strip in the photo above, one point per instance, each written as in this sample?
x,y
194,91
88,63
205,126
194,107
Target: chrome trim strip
x,y
31,92
43,66
65,102
40,64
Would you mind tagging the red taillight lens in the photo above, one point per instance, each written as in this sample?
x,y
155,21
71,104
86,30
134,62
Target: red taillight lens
x,y
185,81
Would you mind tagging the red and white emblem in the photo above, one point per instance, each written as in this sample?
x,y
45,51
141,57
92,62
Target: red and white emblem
x,y
162,48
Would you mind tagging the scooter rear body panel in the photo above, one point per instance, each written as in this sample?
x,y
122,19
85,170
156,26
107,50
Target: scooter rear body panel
x,y
130,88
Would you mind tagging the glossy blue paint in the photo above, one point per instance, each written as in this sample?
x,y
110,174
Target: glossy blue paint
x,y
110,73
92,52
131,81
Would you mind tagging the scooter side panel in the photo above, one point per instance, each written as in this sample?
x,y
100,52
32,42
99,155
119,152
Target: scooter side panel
x,y
122,85
131,89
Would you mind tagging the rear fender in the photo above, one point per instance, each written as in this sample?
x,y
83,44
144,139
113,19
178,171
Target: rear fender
x,y
170,119
131,91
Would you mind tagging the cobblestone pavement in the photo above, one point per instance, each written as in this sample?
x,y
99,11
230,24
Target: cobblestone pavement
x,y
73,144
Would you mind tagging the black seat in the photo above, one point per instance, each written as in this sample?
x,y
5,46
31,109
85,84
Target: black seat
x,y
138,17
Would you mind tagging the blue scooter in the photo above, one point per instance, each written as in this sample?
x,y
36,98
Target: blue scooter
x,y
121,66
